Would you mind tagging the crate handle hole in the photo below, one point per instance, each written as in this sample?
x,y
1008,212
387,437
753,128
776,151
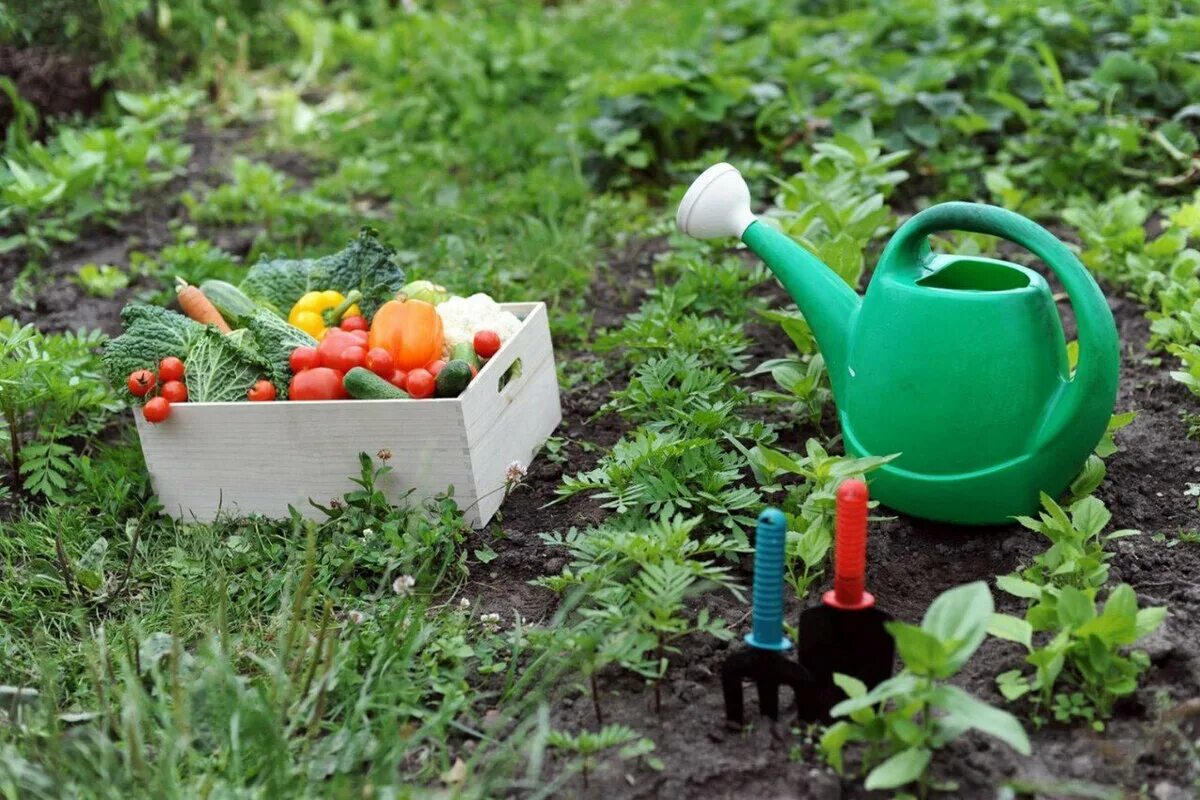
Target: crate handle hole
x,y
513,372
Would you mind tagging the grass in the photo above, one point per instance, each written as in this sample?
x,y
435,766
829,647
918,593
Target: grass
x,y
508,147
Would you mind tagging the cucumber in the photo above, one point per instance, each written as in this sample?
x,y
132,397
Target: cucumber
x,y
453,378
362,384
231,301
464,351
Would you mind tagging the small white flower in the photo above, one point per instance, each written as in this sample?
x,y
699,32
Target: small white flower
x,y
404,584
368,532
490,621
515,472
356,617
464,604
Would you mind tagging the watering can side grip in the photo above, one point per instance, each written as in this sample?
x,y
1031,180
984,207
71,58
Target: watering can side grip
x,y
1085,400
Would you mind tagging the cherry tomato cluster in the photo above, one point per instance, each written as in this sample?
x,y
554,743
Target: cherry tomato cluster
x,y
170,386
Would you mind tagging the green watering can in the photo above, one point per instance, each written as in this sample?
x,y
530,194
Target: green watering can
x,y
957,363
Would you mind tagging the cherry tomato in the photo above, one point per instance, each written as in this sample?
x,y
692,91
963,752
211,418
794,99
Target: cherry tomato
x,y
261,391
157,409
319,383
380,362
350,358
170,369
487,344
399,379
303,358
354,323
434,367
420,383
331,347
140,382
175,391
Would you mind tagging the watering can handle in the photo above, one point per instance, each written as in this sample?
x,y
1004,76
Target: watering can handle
x,y
1095,373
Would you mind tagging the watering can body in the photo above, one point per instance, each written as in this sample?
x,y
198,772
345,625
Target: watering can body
x,y
957,364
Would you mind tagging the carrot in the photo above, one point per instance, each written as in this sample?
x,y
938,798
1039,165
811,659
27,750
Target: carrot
x,y
198,307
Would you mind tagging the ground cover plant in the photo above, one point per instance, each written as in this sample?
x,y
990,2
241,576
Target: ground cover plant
x,y
537,152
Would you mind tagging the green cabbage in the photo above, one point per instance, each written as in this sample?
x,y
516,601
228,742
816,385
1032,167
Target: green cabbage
x,y
222,368
366,264
151,334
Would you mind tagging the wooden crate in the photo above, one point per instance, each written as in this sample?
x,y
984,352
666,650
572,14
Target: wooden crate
x,y
209,459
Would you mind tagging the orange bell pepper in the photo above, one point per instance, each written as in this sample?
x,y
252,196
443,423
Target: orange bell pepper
x,y
410,330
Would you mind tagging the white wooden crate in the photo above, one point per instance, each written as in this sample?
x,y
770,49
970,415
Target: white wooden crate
x,y
258,458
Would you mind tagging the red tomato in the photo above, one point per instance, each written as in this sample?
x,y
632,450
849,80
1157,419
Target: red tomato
x,y
380,362
303,358
399,379
157,410
355,323
434,367
175,391
331,347
420,383
350,358
362,337
487,344
261,391
319,383
140,382
474,370
170,369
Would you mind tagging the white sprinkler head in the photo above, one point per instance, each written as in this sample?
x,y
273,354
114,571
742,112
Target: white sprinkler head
x,y
716,204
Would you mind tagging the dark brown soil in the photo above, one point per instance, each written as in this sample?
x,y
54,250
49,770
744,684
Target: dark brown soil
x,y
55,84
1147,747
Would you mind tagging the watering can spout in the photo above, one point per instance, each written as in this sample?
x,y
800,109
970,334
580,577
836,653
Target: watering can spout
x,y
717,204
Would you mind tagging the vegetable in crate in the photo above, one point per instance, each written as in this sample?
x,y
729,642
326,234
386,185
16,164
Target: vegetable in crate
x,y
317,312
463,317
276,341
428,291
222,369
362,384
198,307
410,330
453,378
232,302
318,383
151,334
367,265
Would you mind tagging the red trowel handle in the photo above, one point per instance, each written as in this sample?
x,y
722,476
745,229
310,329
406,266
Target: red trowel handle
x,y
850,549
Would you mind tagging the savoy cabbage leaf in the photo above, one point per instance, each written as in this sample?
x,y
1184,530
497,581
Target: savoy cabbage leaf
x,y
274,339
366,264
222,368
151,334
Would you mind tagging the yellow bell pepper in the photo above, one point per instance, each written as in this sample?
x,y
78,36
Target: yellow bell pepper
x,y
316,312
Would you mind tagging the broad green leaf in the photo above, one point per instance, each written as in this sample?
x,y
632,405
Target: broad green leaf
x,y
959,618
1012,629
1074,607
898,686
920,650
1148,619
977,714
902,768
834,739
1018,587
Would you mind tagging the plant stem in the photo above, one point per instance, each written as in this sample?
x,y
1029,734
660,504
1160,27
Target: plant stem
x,y
596,700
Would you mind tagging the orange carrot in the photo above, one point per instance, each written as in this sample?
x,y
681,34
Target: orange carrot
x,y
198,307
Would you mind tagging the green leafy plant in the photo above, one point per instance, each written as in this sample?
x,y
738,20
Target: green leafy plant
x,y
1087,651
103,280
51,392
903,721
586,746
633,581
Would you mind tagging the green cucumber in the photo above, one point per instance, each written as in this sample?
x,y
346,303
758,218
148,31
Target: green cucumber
x,y
228,299
465,351
453,378
362,384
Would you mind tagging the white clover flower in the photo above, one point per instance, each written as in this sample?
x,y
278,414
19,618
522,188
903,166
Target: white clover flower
x,y
368,532
403,584
490,621
515,472
357,617
464,604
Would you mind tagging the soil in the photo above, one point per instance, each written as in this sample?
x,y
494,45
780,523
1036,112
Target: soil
x,y
55,84
1147,747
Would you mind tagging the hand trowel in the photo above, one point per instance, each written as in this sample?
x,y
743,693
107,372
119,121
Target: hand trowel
x,y
845,633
